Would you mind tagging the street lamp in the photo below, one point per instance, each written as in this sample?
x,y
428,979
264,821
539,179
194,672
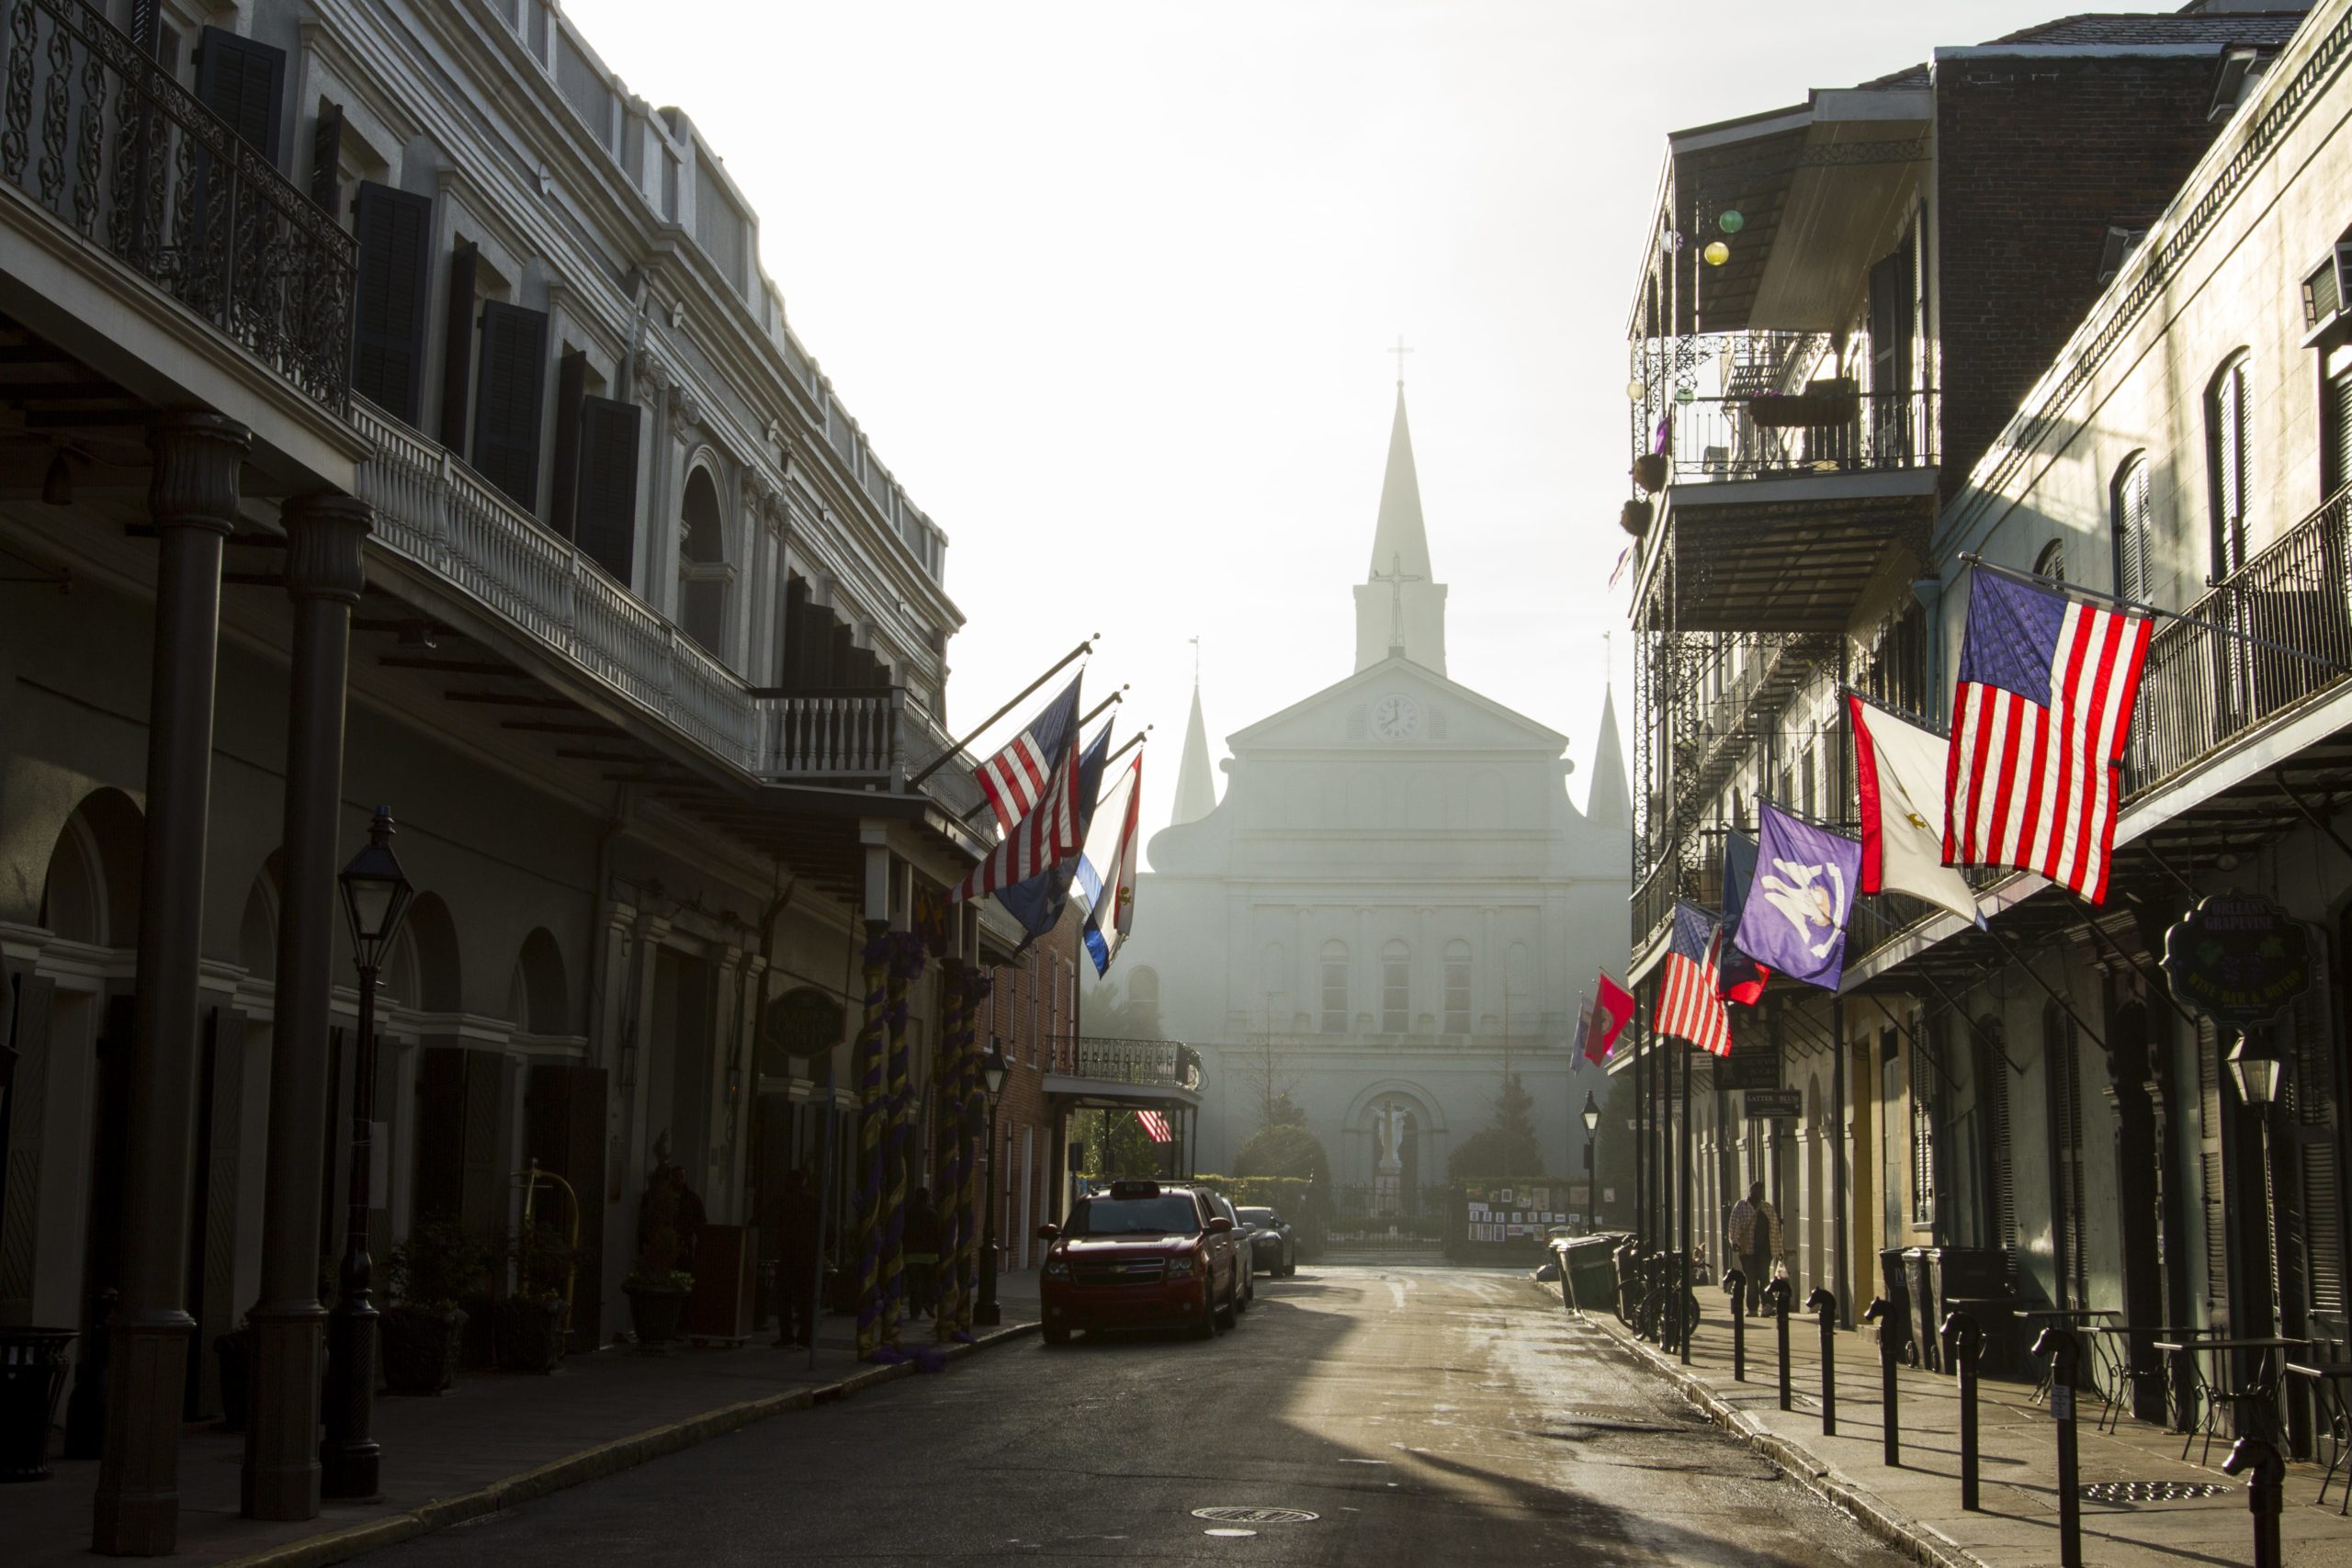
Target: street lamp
x,y
375,896
993,1068
2261,1078
1591,1126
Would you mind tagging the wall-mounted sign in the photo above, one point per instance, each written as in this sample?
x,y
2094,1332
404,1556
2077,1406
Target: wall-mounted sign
x,y
1753,1063
2237,959
1773,1104
801,1023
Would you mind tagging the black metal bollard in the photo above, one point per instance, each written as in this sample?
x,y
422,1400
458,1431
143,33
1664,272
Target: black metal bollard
x,y
1735,1287
1778,1294
2266,1476
2066,1357
1964,1343
1891,1440
1821,1302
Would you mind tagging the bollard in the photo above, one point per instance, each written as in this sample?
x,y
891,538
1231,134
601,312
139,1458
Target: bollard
x,y
1821,1302
2266,1476
1891,1440
1964,1342
1735,1287
2066,1357
1778,1294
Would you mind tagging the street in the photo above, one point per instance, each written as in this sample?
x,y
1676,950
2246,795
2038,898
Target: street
x,y
1422,1415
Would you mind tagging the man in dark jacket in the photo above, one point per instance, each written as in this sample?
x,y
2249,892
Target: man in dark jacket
x,y
796,1261
921,1244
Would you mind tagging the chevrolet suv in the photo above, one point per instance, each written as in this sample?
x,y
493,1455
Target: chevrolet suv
x,y
1143,1255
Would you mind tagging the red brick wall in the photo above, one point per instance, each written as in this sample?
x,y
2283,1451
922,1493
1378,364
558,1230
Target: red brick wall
x,y
1030,1013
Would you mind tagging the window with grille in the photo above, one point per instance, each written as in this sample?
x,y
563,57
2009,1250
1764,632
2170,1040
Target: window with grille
x,y
2127,509
2336,423
2052,562
1335,989
1993,1094
1396,989
2225,450
1457,987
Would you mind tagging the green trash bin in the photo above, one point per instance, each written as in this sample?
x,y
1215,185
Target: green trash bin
x,y
1588,1271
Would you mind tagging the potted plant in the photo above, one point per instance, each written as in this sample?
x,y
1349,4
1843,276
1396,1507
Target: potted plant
x,y
423,1327
1649,471
528,1333
1635,518
657,1287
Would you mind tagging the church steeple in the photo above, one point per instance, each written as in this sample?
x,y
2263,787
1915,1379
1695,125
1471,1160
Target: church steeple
x,y
1195,785
1398,608
1609,802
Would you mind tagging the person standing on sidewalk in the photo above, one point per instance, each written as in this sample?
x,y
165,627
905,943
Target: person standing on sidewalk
x,y
796,1262
1751,1234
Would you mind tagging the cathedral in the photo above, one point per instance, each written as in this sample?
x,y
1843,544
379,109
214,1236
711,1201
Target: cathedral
x,y
1395,905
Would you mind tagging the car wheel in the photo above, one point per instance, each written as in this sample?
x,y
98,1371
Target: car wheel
x,y
1230,1312
1206,1327
1055,1336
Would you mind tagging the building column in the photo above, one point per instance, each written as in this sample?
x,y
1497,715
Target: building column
x,y
324,575
192,497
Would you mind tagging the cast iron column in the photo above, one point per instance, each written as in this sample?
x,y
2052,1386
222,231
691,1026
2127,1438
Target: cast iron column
x,y
325,576
988,1314
192,498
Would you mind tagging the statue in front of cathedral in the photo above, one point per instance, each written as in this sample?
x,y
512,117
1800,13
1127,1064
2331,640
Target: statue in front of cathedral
x,y
1388,1171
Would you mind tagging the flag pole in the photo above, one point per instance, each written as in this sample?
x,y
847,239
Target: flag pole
x,y
1131,742
1918,720
1972,558
1059,665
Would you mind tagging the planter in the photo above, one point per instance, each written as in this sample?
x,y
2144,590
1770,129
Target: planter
x,y
1635,518
420,1348
654,1312
235,1350
32,1376
1649,471
528,1335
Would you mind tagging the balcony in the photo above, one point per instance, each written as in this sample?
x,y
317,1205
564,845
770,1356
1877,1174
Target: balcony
x,y
102,140
1097,1070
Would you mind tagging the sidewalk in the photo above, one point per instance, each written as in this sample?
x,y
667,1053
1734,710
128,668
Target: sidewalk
x,y
494,1442
1917,1507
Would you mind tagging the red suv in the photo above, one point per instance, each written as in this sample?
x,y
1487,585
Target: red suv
x,y
1141,1255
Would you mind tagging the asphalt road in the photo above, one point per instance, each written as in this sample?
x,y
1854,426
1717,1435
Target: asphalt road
x,y
1421,1415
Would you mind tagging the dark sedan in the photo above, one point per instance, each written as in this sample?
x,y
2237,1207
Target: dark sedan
x,y
1273,1246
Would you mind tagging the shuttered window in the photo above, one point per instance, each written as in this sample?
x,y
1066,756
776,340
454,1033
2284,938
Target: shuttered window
x,y
2000,1183
2315,1095
243,83
607,510
2336,424
563,485
2062,1061
395,231
326,158
507,399
2130,514
457,347
2226,444
2213,1188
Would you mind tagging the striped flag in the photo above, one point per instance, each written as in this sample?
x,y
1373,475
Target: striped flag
x,y
1156,1124
1106,871
2039,718
1015,779
1047,837
1688,1005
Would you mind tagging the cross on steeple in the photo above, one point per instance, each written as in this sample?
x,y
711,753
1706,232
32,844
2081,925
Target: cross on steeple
x,y
1400,351
1396,577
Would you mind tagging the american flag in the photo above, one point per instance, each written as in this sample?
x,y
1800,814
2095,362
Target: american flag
x,y
1688,1005
1047,837
1014,780
2039,718
1156,1124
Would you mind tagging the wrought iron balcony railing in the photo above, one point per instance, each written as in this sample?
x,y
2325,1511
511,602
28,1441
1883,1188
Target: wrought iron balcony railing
x,y
101,137
1150,1064
1827,429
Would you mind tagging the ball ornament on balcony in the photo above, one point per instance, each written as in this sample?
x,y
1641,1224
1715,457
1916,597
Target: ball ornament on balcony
x,y
1732,221
1716,252
1636,392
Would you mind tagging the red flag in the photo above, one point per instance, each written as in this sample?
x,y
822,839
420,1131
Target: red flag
x,y
1613,1009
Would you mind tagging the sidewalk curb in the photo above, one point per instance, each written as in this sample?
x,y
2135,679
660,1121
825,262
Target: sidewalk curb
x,y
589,1464
1880,1521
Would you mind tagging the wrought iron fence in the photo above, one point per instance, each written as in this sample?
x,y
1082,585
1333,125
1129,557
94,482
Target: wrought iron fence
x,y
100,136
2205,683
1153,1064
1825,429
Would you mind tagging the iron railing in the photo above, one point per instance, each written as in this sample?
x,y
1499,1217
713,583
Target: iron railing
x,y
1151,1063
101,137
1820,431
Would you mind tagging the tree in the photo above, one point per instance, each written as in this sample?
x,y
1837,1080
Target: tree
x,y
1116,1144
1505,1147
1286,1148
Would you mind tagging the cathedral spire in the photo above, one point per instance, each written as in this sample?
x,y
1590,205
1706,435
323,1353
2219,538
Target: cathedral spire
x,y
1399,607
1609,802
1195,785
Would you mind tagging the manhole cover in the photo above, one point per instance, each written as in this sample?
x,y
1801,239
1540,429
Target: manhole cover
x,y
1236,1516
2152,1491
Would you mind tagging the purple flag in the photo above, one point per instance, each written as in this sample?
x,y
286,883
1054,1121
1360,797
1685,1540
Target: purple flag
x,y
1801,899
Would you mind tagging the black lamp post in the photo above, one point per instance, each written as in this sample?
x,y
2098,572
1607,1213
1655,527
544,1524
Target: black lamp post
x,y
1591,1126
2261,1078
993,1068
375,896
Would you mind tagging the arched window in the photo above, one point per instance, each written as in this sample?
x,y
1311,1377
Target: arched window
x,y
703,571
1396,989
2225,456
2052,562
1457,987
1335,987
2128,513
537,999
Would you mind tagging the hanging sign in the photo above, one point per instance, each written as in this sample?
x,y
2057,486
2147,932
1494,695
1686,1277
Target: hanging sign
x,y
1773,1104
2238,959
1752,1064
803,1021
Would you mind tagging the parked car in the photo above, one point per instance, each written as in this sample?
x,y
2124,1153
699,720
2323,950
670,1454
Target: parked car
x,y
1143,1255
1243,1260
1273,1246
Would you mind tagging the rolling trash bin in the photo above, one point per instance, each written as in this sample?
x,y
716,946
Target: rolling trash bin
x,y
32,1376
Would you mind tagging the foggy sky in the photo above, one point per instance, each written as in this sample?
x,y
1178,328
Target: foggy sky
x,y
1109,286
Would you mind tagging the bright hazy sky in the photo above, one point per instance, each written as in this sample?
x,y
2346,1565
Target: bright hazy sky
x,y
1108,285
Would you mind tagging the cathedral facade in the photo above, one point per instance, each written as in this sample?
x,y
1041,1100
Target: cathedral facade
x,y
1395,905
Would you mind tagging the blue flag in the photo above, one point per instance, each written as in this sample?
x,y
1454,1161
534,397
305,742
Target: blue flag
x,y
1038,902
1803,894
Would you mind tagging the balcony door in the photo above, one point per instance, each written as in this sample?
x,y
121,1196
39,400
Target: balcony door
x,y
1894,317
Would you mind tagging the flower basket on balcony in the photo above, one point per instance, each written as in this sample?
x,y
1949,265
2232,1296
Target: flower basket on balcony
x,y
1832,404
1634,517
1649,471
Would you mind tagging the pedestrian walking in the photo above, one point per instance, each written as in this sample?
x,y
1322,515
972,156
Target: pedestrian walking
x,y
796,1262
1753,1235
920,1249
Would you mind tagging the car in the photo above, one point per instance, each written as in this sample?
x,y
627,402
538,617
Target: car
x,y
1244,1259
1273,1246
1144,1255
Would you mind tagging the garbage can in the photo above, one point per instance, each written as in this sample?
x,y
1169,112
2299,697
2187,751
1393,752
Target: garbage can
x,y
1926,1323
1894,1286
1979,1272
32,1376
1588,1271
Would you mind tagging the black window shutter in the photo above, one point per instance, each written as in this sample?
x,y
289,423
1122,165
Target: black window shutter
x,y
607,510
2335,445
458,349
327,158
243,83
563,486
507,397
395,231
